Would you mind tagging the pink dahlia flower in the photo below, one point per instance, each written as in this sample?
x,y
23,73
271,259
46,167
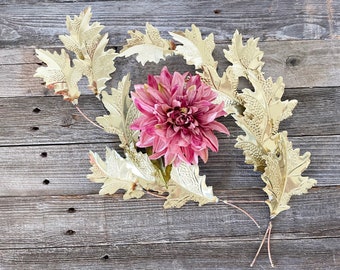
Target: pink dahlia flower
x,y
178,117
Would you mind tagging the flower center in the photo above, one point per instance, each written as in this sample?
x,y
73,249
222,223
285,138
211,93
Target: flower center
x,y
181,117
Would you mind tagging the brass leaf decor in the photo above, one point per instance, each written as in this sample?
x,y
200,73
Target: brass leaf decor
x,y
258,110
149,47
283,174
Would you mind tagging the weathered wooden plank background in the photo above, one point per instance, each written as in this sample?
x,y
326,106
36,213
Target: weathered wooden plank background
x,y
52,218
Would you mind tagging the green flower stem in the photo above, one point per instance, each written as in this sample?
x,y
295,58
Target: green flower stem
x,y
159,164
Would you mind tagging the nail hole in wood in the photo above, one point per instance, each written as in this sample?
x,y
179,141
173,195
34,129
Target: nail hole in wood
x,y
70,232
105,257
293,61
46,182
71,210
34,128
43,154
217,11
36,110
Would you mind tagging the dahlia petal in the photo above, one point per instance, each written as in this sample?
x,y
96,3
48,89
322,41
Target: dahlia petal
x,y
143,123
189,155
161,130
142,93
204,155
191,94
165,108
210,140
203,105
158,155
152,82
198,143
219,127
160,113
178,81
159,144
186,139
178,140
170,132
180,157
176,103
170,158
166,75
178,117
144,108
207,118
183,143
219,109
210,116
176,162
145,141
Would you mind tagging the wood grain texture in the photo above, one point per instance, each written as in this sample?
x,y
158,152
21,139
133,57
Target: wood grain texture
x,y
25,168
207,255
51,216
41,23
301,64
39,222
50,120
139,230
202,255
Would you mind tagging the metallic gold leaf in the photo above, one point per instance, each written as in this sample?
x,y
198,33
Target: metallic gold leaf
x,y
263,113
59,74
150,177
271,94
194,49
89,45
83,36
92,59
244,58
258,112
149,47
283,174
187,185
252,150
115,173
269,151
98,64
225,87
134,174
122,112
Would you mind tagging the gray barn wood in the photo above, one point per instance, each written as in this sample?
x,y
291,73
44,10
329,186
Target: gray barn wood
x,y
51,216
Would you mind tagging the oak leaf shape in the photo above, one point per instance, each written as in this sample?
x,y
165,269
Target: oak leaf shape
x,y
269,151
225,87
195,50
149,47
150,177
134,174
59,74
83,36
89,45
263,113
246,59
115,173
283,174
187,185
122,112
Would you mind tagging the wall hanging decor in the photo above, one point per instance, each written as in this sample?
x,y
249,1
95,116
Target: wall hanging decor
x,y
167,124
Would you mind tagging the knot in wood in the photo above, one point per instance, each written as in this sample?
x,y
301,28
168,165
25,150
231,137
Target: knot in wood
x,y
293,60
